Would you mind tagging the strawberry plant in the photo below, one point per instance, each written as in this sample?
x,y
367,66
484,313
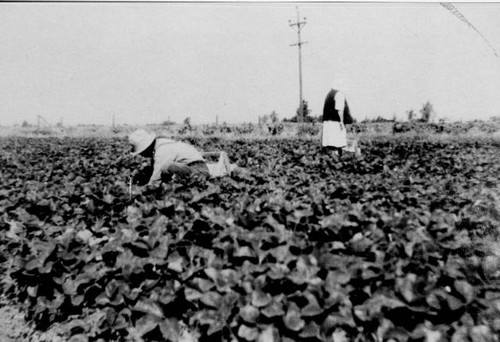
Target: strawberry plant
x,y
397,244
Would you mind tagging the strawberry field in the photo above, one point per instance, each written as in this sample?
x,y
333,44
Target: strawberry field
x,y
399,244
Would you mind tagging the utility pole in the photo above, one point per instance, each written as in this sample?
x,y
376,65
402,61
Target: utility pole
x,y
299,43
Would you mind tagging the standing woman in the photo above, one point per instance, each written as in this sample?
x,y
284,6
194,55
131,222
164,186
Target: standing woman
x,y
336,115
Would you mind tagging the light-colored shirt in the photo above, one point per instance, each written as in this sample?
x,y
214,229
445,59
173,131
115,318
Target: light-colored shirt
x,y
168,152
340,103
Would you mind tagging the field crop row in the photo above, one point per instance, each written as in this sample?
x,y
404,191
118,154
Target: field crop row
x,y
400,243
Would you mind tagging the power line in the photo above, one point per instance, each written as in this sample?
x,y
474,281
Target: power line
x,y
450,7
299,24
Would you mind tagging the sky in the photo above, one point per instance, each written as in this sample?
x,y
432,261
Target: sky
x,y
85,63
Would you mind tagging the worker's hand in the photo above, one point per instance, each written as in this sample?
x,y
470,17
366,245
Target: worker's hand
x,y
152,188
141,177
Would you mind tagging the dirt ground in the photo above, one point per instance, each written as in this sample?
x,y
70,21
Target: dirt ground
x,y
14,328
12,325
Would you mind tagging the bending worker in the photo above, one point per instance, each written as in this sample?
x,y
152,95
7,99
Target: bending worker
x,y
169,157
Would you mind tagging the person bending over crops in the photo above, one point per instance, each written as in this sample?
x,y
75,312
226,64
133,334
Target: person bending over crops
x,y
336,115
170,157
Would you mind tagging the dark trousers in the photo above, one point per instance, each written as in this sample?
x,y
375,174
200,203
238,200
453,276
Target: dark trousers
x,y
188,170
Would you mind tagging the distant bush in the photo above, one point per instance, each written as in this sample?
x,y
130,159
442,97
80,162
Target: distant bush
x,y
305,129
276,129
427,112
378,119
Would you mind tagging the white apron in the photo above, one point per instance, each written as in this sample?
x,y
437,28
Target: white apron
x,y
334,134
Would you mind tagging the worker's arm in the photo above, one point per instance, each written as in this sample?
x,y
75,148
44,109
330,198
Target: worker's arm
x,y
155,176
339,101
161,161
210,154
339,107
142,175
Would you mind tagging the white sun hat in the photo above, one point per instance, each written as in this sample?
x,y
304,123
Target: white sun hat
x,y
140,141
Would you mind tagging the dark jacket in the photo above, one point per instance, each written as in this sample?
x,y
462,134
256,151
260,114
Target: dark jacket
x,y
331,114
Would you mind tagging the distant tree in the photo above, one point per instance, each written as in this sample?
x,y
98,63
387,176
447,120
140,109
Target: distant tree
x,y
304,114
410,114
274,117
25,124
427,111
305,117
269,118
187,121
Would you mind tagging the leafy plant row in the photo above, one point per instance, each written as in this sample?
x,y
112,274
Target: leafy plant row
x,y
397,244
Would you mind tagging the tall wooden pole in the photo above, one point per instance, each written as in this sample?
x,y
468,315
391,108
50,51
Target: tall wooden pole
x,y
299,24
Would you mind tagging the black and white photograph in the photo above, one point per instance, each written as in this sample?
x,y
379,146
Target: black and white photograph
x,y
268,171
